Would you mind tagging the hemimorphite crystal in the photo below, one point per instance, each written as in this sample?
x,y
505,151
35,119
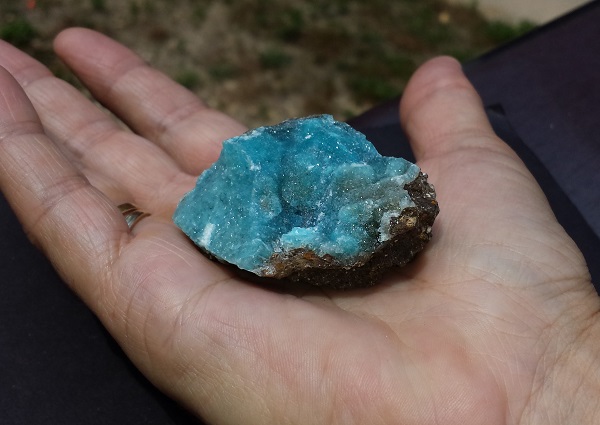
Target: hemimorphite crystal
x,y
305,196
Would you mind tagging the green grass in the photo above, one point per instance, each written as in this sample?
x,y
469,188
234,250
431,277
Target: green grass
x,y
372,88
501,32
274,58
223,71
18,32
99,5
189,79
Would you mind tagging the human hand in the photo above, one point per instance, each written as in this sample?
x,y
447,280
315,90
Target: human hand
x,y
493,323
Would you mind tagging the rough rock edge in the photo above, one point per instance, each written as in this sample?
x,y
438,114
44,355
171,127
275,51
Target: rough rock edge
x,y
409,232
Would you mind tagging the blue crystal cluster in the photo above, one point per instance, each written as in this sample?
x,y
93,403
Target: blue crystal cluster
x,y
310,183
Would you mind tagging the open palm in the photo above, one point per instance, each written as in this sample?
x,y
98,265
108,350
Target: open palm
x,y
467,333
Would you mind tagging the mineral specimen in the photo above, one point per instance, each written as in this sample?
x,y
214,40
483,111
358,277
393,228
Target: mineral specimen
x,y
311,200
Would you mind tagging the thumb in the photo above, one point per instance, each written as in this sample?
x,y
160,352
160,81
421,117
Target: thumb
x,y
441,112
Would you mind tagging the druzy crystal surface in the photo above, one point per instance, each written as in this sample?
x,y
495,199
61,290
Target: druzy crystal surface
x,y
310,199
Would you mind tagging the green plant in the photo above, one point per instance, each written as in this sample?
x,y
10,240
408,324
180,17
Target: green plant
x,y
371,88
427,28
199,13
223,71
398,65
18,32
189,79
274,59
291,25
134,10
99,5
149,7
502,32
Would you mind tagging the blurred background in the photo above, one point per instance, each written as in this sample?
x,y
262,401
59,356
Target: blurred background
x,y
266,60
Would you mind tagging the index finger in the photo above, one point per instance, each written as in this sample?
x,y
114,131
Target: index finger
x,y
151,103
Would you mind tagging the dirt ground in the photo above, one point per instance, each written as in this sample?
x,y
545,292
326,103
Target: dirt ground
x,y
538,11
266,60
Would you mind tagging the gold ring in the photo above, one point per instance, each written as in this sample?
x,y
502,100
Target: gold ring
x,y
132,214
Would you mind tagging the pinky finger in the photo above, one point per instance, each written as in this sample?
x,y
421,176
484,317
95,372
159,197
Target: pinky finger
x,y
72,222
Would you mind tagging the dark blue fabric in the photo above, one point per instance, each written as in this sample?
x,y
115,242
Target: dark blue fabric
x,y
57,363
391,140
542,96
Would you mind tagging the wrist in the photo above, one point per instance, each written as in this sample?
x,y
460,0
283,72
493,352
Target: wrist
x,y
567,383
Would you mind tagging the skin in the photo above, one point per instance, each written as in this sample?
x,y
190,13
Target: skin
x,y
495,322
